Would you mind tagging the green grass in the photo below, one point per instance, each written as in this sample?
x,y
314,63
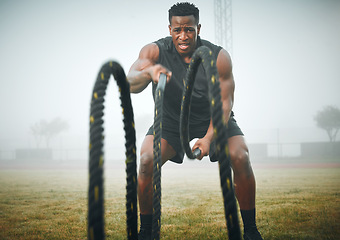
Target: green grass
x,y
302,203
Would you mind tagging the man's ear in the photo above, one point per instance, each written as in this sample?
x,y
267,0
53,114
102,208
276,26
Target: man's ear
x,y
169,29
198,28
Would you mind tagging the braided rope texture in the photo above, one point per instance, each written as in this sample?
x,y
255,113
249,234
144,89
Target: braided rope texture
x,y
157,159
96,223
204,55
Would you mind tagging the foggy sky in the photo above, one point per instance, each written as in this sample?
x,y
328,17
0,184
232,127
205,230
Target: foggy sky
x,y
286,57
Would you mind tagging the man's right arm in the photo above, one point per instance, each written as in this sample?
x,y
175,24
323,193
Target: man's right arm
x,y
144,69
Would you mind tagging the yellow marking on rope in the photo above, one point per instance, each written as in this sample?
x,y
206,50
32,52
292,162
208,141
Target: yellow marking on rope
x,y
155,188
213,79
212,63
95,95
120,90
159,93
133,124
210,52
215,132
131,207
102,75
134,150
156,112
226,149
110,63
91,233
90,146
183,82
230,218
192,60
101,160
202,60
134,179
91,119
228,183
157,167
96,193
159,145
212,102
218,147
128,160
122,110
160,125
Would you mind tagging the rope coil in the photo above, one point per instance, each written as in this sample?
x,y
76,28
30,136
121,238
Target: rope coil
x,y
204,55
96,223
157,159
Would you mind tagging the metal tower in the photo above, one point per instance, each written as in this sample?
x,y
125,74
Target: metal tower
x,y
223,24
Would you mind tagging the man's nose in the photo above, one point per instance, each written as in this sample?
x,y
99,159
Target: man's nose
x,y
183,35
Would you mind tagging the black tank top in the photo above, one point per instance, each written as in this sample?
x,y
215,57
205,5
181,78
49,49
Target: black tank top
x,y
200,107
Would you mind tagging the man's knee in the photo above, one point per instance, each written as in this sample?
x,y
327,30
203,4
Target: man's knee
x,y
146,165
240,157
240,161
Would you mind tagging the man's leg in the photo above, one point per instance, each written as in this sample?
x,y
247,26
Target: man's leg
x,y
245,186
145,181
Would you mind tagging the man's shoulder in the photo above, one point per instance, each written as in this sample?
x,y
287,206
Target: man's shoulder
x,y
211,45
164,43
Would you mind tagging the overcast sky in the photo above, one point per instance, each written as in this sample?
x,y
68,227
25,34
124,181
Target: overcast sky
x,y
286,57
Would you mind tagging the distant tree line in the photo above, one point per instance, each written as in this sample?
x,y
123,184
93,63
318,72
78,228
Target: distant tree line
x,y
44,131
329,120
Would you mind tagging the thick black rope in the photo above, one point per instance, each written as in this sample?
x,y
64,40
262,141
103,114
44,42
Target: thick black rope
x,y
96,223
204,55
157,158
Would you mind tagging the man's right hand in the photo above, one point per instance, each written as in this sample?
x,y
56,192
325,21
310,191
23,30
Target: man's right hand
x,y
156,70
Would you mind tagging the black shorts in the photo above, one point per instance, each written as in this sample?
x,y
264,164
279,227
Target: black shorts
x,y
173,138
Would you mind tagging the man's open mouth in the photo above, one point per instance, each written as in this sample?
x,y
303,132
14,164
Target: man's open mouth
x,y
183,46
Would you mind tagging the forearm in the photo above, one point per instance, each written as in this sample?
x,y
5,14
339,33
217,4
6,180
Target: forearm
x,y
227,108
227,96
138,80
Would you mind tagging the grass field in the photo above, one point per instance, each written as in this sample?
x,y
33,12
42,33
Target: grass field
x,y
292,203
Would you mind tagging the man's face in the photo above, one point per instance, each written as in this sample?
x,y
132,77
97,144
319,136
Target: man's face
x,y
184,32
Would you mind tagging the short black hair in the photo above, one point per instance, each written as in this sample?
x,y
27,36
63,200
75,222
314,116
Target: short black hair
x,y
184,9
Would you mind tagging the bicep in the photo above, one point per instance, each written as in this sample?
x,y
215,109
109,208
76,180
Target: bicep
x,y
148,56
224,65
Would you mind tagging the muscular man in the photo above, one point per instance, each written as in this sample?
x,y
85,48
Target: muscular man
x,y
171,55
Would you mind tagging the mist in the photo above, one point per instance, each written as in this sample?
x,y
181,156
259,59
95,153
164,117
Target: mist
x,y
285,55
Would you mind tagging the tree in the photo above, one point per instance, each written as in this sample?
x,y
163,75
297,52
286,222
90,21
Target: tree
x,y
329,120
45,130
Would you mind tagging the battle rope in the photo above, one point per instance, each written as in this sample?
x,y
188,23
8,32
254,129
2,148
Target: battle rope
x,y
157,158
204,55
96,187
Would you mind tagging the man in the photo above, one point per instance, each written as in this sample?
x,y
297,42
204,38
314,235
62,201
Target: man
x,y
171,56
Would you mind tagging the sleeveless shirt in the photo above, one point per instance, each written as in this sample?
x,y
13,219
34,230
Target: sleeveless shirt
x,y
200,107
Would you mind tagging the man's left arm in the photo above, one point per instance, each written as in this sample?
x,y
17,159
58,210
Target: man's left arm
x,y
227,85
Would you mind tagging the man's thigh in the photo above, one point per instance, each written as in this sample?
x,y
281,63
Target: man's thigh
x,y
147,148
